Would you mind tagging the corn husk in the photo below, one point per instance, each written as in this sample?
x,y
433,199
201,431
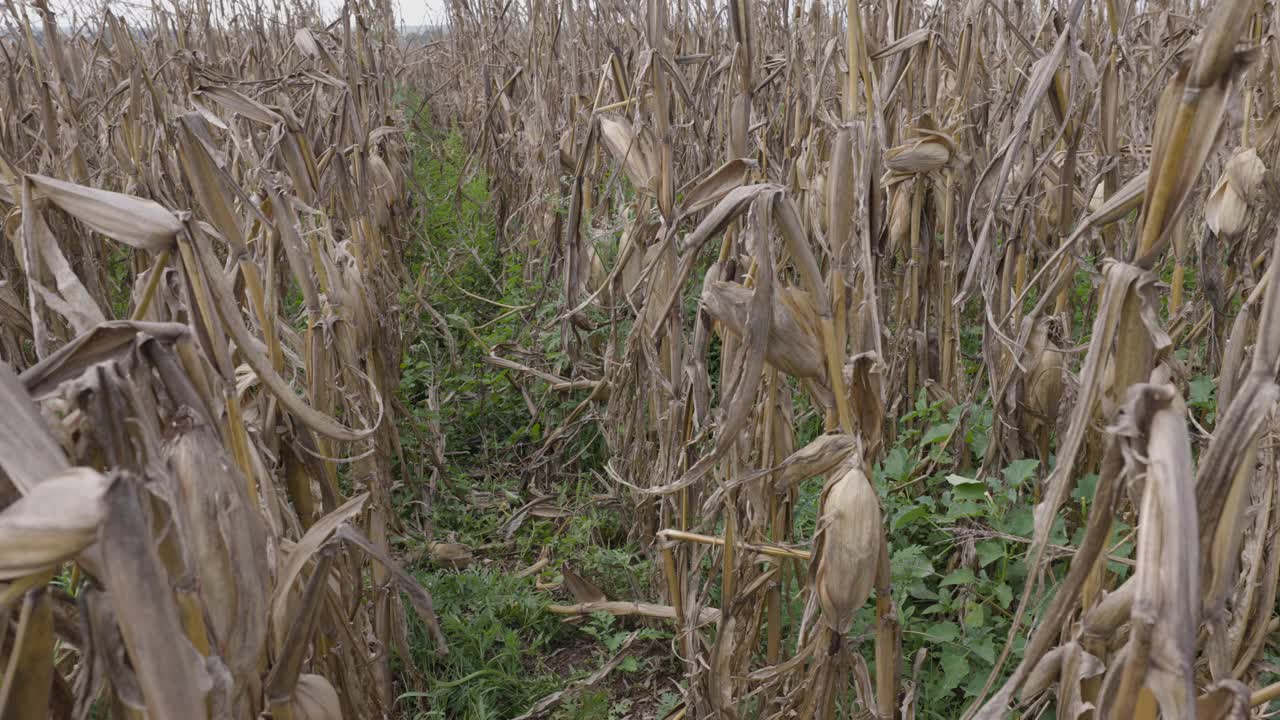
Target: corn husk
x,y
53,522
1226,212
927,153
315,699
850,546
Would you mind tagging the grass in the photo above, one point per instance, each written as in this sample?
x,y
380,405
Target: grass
x,y
507,651
500,633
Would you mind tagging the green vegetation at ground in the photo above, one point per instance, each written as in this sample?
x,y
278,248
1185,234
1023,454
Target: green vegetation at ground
x,y
506,650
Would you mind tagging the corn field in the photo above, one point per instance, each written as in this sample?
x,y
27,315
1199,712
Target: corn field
x,y
200,243
755,214
768,209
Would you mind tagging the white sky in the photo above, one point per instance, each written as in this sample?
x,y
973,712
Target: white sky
x,y
409,12
421,12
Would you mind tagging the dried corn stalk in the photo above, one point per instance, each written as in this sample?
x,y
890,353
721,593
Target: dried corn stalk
x,y
178,466
862,184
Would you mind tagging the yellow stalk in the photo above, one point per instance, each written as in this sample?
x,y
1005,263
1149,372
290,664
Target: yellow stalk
x,y
153,281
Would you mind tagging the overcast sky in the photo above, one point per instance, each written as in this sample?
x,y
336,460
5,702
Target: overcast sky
x,y
411,12
421,12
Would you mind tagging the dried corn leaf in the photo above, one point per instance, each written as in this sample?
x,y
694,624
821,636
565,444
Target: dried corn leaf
x,y
28,453
170,671
713,188
1070,664
28,676
135,221
105,342
1225,700
790,347
238,103
582,590
450,555
223,537
634,149
40,254
310,543
306,41
419,598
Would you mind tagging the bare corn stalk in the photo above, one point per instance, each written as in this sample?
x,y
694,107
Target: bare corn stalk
x,y
856,187
200,251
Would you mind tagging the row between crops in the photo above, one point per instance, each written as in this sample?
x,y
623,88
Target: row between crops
x,y
995,275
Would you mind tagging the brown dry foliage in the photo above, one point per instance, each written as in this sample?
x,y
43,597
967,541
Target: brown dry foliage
x,y
849,184
842,187
176,540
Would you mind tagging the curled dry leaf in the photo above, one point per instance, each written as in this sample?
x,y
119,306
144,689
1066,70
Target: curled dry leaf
x,y
450,555
1070,664
634,149
135,221
108,341
582,589
712,189
1225,700
792,347
817,458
